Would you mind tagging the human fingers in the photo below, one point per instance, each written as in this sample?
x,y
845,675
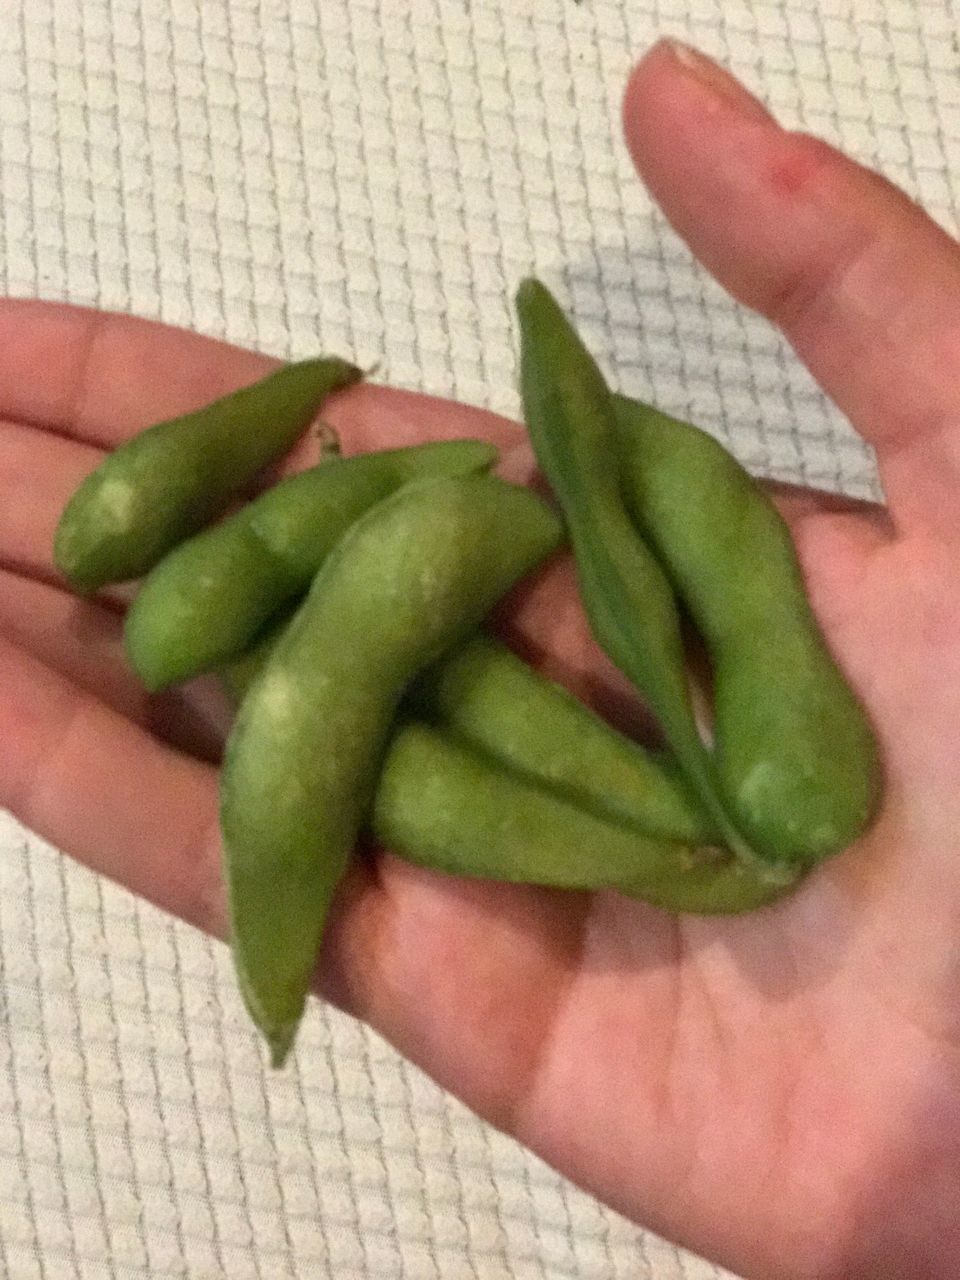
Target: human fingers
x,y
863,284
99,377
83,640
38,473
132,373
106,791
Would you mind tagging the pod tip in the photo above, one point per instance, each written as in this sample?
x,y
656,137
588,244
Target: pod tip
x,y
280,1043
529,290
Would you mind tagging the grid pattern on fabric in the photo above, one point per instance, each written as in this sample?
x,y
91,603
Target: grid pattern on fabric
x,y
374,179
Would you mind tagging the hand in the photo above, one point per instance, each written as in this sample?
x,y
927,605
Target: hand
x,y
780,1092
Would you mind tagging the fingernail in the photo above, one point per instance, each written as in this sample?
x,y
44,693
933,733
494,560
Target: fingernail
x,y
719,83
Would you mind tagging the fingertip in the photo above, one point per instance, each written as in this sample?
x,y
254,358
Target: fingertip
x,y
644,77
674,86
646,72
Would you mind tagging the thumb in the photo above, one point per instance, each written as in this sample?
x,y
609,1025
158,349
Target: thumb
x,y
863,284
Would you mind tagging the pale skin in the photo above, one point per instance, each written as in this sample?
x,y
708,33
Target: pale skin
x,y
779,1092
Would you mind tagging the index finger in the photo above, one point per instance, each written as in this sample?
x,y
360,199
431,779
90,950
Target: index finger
x,y
99,377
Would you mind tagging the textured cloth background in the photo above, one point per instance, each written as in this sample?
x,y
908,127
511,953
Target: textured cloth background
x,y
371,178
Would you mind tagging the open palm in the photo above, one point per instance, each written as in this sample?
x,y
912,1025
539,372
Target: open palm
x,y
781,1091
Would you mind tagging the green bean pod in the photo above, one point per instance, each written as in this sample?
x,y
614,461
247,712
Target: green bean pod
x,y
629,602
795,752
410,579
171,479
209,597
446,807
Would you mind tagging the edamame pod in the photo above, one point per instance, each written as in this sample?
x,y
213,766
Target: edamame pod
x,y
445,807
628,599
489,700
492,701
452,798
168,481
239,673
209,597
410,579
794,749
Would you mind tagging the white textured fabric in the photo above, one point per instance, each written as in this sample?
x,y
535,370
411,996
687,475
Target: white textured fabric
x,y
371,178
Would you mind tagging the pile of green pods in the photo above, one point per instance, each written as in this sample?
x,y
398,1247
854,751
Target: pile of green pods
x,y
343,608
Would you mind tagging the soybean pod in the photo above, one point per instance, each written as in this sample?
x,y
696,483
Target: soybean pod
x,y
208,598
795,752
491,701
629,601
410,579
446,807
238,674
464,794
171,479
